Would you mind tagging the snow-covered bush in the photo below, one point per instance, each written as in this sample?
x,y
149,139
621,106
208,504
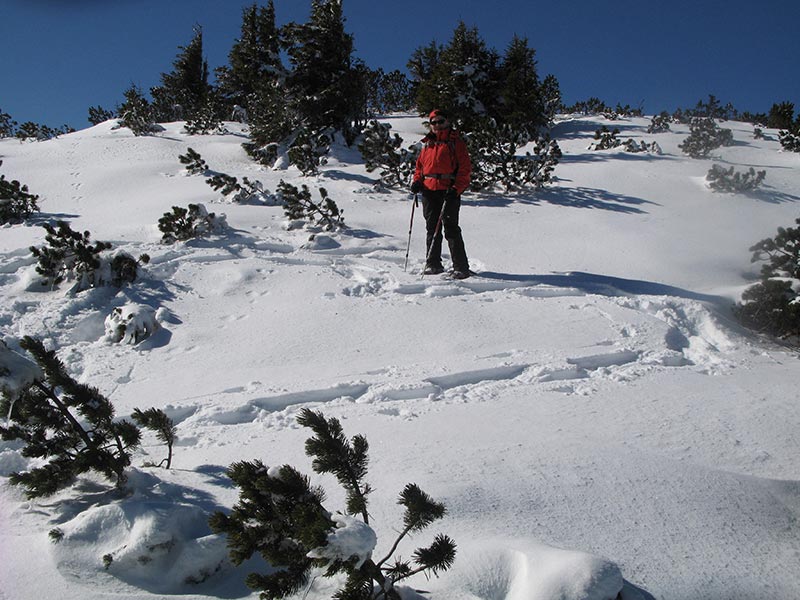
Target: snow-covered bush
x,y
728,180
632,146
383,151
298,206
239,193
773,305
704,136
659,123
70,256
130,324
790,140
495,160
309,150
281,516
136,113
205,120
187,223
16,203
69,427
605,139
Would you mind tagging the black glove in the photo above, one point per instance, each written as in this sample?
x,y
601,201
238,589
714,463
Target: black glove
x,y
416,186
450,194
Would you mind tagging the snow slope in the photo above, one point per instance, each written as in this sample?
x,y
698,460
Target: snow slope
x,y
587,408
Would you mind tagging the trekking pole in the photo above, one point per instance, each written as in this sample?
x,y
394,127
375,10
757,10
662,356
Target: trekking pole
x,y
410,226
435,234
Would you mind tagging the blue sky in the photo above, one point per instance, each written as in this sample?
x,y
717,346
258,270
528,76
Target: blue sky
x,y
59,57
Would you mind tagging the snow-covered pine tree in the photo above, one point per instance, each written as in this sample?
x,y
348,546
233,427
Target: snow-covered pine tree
x,y
70,427
206,119
704,136
16,203
727,180
659,123
606,139
309,149
383,151
136,113
495,159
281,516
70,255
187,223
184,91
772,306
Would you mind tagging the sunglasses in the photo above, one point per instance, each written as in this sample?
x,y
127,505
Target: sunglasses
x,y
438,121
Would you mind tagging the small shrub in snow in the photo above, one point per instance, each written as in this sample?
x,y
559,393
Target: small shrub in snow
x,y
194,162
67,426
772,306
309,150
659,123
98,114
494,148
205,120
281,516
781,253
382,151
136,113
157,420
298,206
130,324
224,184
605,139
187,223
728,180
790,140
16,203
70,255
632,146
704,136
239,193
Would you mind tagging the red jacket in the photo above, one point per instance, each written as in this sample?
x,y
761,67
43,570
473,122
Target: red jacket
x,y
444,162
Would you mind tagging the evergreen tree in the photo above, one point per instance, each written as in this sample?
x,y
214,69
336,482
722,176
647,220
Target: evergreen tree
x,y
704,136
136,113
7,125
157,420
383,151
521,106
463,79
323,83
98,114
255,65
69,426
281,516
184,91
781,116
16,203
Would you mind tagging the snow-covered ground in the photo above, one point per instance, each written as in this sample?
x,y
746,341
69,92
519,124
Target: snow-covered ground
x,y
586,407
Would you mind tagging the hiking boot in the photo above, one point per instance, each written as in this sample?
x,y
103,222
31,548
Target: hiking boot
x,y
460,274
433,269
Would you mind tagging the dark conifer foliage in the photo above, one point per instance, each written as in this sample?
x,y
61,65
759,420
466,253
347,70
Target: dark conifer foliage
x,y
157,420
183,91
16,203
281,516
68,425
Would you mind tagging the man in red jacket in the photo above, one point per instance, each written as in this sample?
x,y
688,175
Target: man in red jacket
x,y
442,175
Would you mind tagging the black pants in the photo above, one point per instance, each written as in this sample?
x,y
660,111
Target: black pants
x,y
432,202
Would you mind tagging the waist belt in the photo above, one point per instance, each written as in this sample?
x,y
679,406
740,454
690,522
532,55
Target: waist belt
x,y
440,176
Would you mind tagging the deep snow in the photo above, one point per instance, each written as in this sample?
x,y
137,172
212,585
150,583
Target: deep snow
x,y
586,408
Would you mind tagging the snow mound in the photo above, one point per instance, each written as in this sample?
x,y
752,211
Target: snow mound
x,y
527,570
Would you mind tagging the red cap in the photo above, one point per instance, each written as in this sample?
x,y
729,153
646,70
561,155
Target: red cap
x,y
437,112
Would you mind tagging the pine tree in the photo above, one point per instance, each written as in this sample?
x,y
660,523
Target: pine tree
x,y
136,113
381,150
98,114
704,136
255,65
184,91
299,206
68,426
521,106
8,126
781,116
322,83
281,516
16,203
